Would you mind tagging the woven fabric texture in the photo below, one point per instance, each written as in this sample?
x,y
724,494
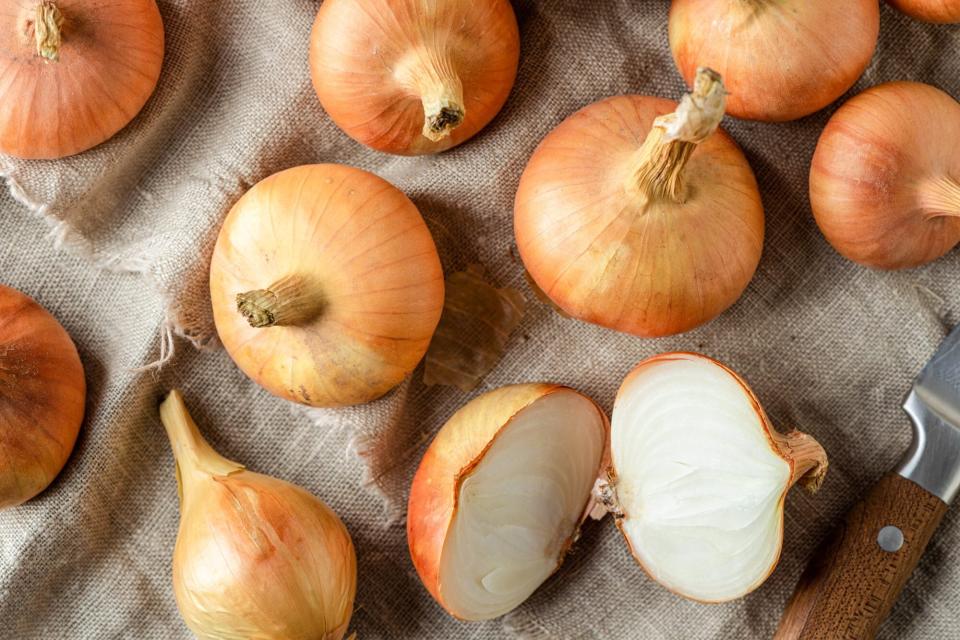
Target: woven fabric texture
x,y
116,243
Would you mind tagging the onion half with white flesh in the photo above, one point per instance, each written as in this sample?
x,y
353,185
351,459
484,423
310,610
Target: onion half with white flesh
x,y
500,495
699,476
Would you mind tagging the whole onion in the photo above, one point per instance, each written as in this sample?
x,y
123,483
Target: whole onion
x,y
637,214
885,177
412,77
42,395
780,60
930,10
326,285
74,72
256,557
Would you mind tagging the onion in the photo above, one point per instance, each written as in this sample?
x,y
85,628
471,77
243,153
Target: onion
x,y
500,494
42,392
639,219
930,10
699,476
781,60
885,178
256,557
326,285
73,73
412,77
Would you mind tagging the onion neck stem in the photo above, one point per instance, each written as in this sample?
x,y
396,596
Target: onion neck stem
x,y
47,25
194,455
658,173
432,76
808,460
290,301
940,197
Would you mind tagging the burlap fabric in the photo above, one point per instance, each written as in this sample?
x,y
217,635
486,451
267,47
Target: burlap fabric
x,y
829,347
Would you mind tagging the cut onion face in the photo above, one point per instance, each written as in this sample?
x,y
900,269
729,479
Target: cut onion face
x,y
699,477
500,495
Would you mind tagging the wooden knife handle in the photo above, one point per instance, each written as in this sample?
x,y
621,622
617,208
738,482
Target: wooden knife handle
x,y
852,582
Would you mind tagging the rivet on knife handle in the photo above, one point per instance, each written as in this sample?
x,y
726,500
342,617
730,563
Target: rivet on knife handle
x,y
857,574
853,580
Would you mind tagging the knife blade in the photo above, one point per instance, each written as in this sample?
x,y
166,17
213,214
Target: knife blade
x,y
933,404
855,577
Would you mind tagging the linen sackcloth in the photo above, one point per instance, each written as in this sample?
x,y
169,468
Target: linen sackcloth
x,y
829,347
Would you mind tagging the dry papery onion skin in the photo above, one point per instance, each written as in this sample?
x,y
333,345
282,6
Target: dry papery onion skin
x,y
699,477
939,11
476,324
255,557
42,397
74,73
780,60
639,215
326,285
411,77
487,492
885,177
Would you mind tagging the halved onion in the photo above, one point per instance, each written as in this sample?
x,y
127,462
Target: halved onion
x,y
500,494
699,476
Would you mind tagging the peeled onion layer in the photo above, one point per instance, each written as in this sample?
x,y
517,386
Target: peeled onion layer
x,y
701,477
475,325
780,60
496,503
885,177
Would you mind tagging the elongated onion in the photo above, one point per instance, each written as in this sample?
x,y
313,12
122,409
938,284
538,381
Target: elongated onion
x,y
326,285
73,72
637,214
42,394
256,557
942,11
500,494
885,178
699,476
412,77
780,60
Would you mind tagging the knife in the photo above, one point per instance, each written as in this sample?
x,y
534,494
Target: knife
x,y
854,578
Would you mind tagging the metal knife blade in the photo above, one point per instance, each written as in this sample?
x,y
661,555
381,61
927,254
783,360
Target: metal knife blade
x,y
933,404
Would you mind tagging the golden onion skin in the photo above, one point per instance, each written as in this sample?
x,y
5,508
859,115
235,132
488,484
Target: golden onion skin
x,y
376,63
939,11
108,66
607,255
885,177
779,60
255,557
42,397
365,250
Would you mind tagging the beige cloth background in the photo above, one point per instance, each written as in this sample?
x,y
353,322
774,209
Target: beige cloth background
x,y
829,347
